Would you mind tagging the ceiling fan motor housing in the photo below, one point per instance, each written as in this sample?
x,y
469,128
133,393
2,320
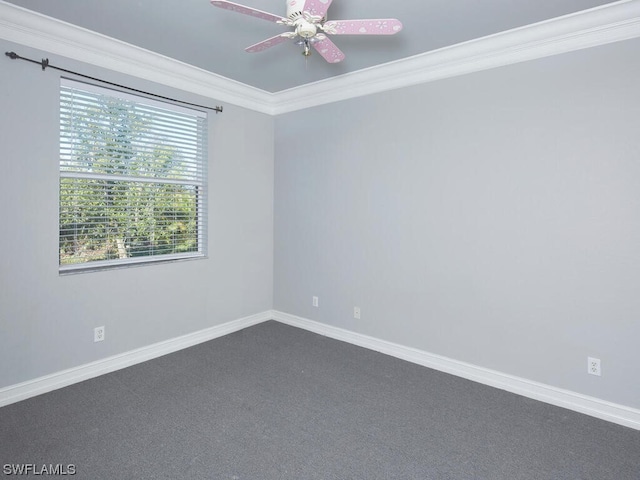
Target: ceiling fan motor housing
x,y
294,9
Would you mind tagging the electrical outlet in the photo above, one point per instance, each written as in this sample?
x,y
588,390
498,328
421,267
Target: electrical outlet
x,y
98,334
356,313
315,301
593,366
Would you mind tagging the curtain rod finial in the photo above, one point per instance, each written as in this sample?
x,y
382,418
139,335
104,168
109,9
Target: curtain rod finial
x,y
11,55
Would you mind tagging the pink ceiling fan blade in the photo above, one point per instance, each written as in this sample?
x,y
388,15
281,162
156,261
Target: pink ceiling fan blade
x,y
268,43
328,50
307,22
317,7
374,26
234,7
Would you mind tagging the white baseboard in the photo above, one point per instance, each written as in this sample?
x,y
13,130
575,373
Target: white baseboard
x,y
620,414
31,388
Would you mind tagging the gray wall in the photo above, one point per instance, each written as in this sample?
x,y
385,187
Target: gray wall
x,y
47,321
492,218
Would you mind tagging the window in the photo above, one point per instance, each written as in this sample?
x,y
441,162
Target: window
x,y
132,179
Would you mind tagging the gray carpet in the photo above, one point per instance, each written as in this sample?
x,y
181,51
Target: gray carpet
x,y
276,402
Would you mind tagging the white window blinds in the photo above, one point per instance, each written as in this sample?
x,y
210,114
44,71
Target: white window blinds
x,y
132,179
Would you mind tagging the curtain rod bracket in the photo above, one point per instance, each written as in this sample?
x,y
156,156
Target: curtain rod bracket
x,y
44,63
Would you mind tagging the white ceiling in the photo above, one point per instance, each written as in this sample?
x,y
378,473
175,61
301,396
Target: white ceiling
x,y
196,33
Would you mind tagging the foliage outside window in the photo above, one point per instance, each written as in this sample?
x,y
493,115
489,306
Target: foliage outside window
x,y
132,179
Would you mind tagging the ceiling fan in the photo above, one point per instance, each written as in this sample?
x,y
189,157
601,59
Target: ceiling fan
x,y
308,18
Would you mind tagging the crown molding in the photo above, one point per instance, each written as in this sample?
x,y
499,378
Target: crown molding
x,y
609,23
597,26
56,37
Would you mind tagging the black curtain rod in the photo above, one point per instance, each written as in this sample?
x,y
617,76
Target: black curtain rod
x,y
44,63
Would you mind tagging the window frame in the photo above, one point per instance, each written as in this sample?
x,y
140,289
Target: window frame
x,y
199,182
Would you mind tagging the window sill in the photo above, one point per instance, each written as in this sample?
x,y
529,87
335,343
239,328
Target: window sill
x,y
103,266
